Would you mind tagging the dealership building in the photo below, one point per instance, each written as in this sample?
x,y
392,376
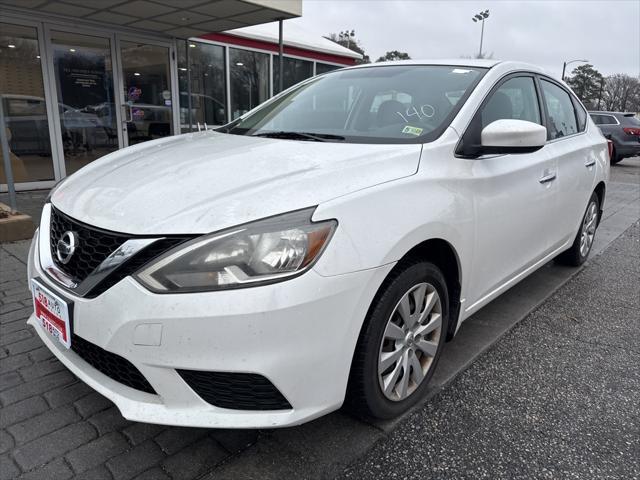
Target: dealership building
x,y
80,79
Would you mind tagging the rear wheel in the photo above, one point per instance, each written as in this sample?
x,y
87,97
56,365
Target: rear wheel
x,y
400,343
615,158
579,251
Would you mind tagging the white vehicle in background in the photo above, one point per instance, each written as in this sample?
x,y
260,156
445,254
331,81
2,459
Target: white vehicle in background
x,y
322,247
27,124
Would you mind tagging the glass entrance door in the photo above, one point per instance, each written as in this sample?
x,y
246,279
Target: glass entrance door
x,y
85,97
146,94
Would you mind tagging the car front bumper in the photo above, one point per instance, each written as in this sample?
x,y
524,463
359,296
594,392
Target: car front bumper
x,y
299,334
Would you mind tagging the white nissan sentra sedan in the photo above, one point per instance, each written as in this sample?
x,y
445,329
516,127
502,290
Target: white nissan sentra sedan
x,y
320,249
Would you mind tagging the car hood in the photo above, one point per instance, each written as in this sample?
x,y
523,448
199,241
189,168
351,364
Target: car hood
x,y
203,182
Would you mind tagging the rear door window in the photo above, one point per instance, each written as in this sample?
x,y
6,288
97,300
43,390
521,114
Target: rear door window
x,y
562,116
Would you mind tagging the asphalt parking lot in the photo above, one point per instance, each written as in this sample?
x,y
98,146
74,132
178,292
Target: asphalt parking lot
x,y
541,383
556,397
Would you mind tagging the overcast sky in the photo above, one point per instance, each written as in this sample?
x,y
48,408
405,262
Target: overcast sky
x,y
544,32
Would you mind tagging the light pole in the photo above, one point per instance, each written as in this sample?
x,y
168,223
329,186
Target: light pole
x,y
347,35
481,17
564,65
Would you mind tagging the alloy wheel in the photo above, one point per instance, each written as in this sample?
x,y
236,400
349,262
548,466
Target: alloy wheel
x,y
588,229
410,342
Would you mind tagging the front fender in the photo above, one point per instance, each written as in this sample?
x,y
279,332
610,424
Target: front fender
x,y
379,227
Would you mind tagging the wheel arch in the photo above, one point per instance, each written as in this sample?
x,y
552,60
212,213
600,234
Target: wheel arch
x,y
442,254
600,191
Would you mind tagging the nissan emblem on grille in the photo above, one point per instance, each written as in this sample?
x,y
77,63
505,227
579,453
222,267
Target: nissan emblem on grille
x,y
66,246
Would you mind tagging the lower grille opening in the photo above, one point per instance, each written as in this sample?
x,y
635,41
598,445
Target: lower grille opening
x,y
237,391
113,366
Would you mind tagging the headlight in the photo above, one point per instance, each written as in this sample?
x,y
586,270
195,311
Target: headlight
x,y
265,251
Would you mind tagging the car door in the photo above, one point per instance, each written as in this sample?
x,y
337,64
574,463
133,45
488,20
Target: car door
x,y
573,152
514,195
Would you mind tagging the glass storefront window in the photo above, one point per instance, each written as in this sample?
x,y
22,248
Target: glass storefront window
x,y
23,103
147,91
86,105
295,71
325,67
208,92
249,72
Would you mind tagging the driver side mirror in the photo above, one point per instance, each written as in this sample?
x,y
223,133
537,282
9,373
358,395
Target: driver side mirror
x,y
512,136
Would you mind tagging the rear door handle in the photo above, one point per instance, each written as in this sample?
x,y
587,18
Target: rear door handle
x,y
590,163
548,177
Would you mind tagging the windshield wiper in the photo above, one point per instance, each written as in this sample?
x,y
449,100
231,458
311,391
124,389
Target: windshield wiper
x,y
316,137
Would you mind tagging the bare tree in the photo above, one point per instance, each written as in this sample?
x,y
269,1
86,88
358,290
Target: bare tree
x,y
621,93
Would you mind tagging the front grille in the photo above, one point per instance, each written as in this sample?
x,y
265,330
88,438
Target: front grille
x,y
113,366
237,391
94,245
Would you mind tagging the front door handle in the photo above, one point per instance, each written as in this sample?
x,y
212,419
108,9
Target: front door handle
x,y
547,177
590,163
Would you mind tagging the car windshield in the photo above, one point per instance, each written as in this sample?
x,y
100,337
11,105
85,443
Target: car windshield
x,y
382,104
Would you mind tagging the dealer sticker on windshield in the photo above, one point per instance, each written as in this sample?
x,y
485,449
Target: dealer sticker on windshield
x,y
52,313
412,130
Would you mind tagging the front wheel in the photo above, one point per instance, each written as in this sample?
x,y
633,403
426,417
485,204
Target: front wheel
x,y
579,251
400,342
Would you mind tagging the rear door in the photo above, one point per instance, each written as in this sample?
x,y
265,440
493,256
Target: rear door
x,y
573,152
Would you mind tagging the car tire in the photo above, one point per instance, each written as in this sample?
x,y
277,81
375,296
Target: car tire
x,y
419,334
582,244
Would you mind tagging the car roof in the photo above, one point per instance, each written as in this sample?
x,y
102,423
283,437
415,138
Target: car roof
x,y
469,62
505,65
604,112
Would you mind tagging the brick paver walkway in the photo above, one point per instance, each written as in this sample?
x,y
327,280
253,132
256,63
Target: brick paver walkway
x,y
54,427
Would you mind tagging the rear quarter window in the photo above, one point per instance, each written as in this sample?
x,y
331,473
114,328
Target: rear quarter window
x,y
581,115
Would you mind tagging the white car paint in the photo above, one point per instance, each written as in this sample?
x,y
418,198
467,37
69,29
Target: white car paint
x,y
169,186
513,133
301,333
